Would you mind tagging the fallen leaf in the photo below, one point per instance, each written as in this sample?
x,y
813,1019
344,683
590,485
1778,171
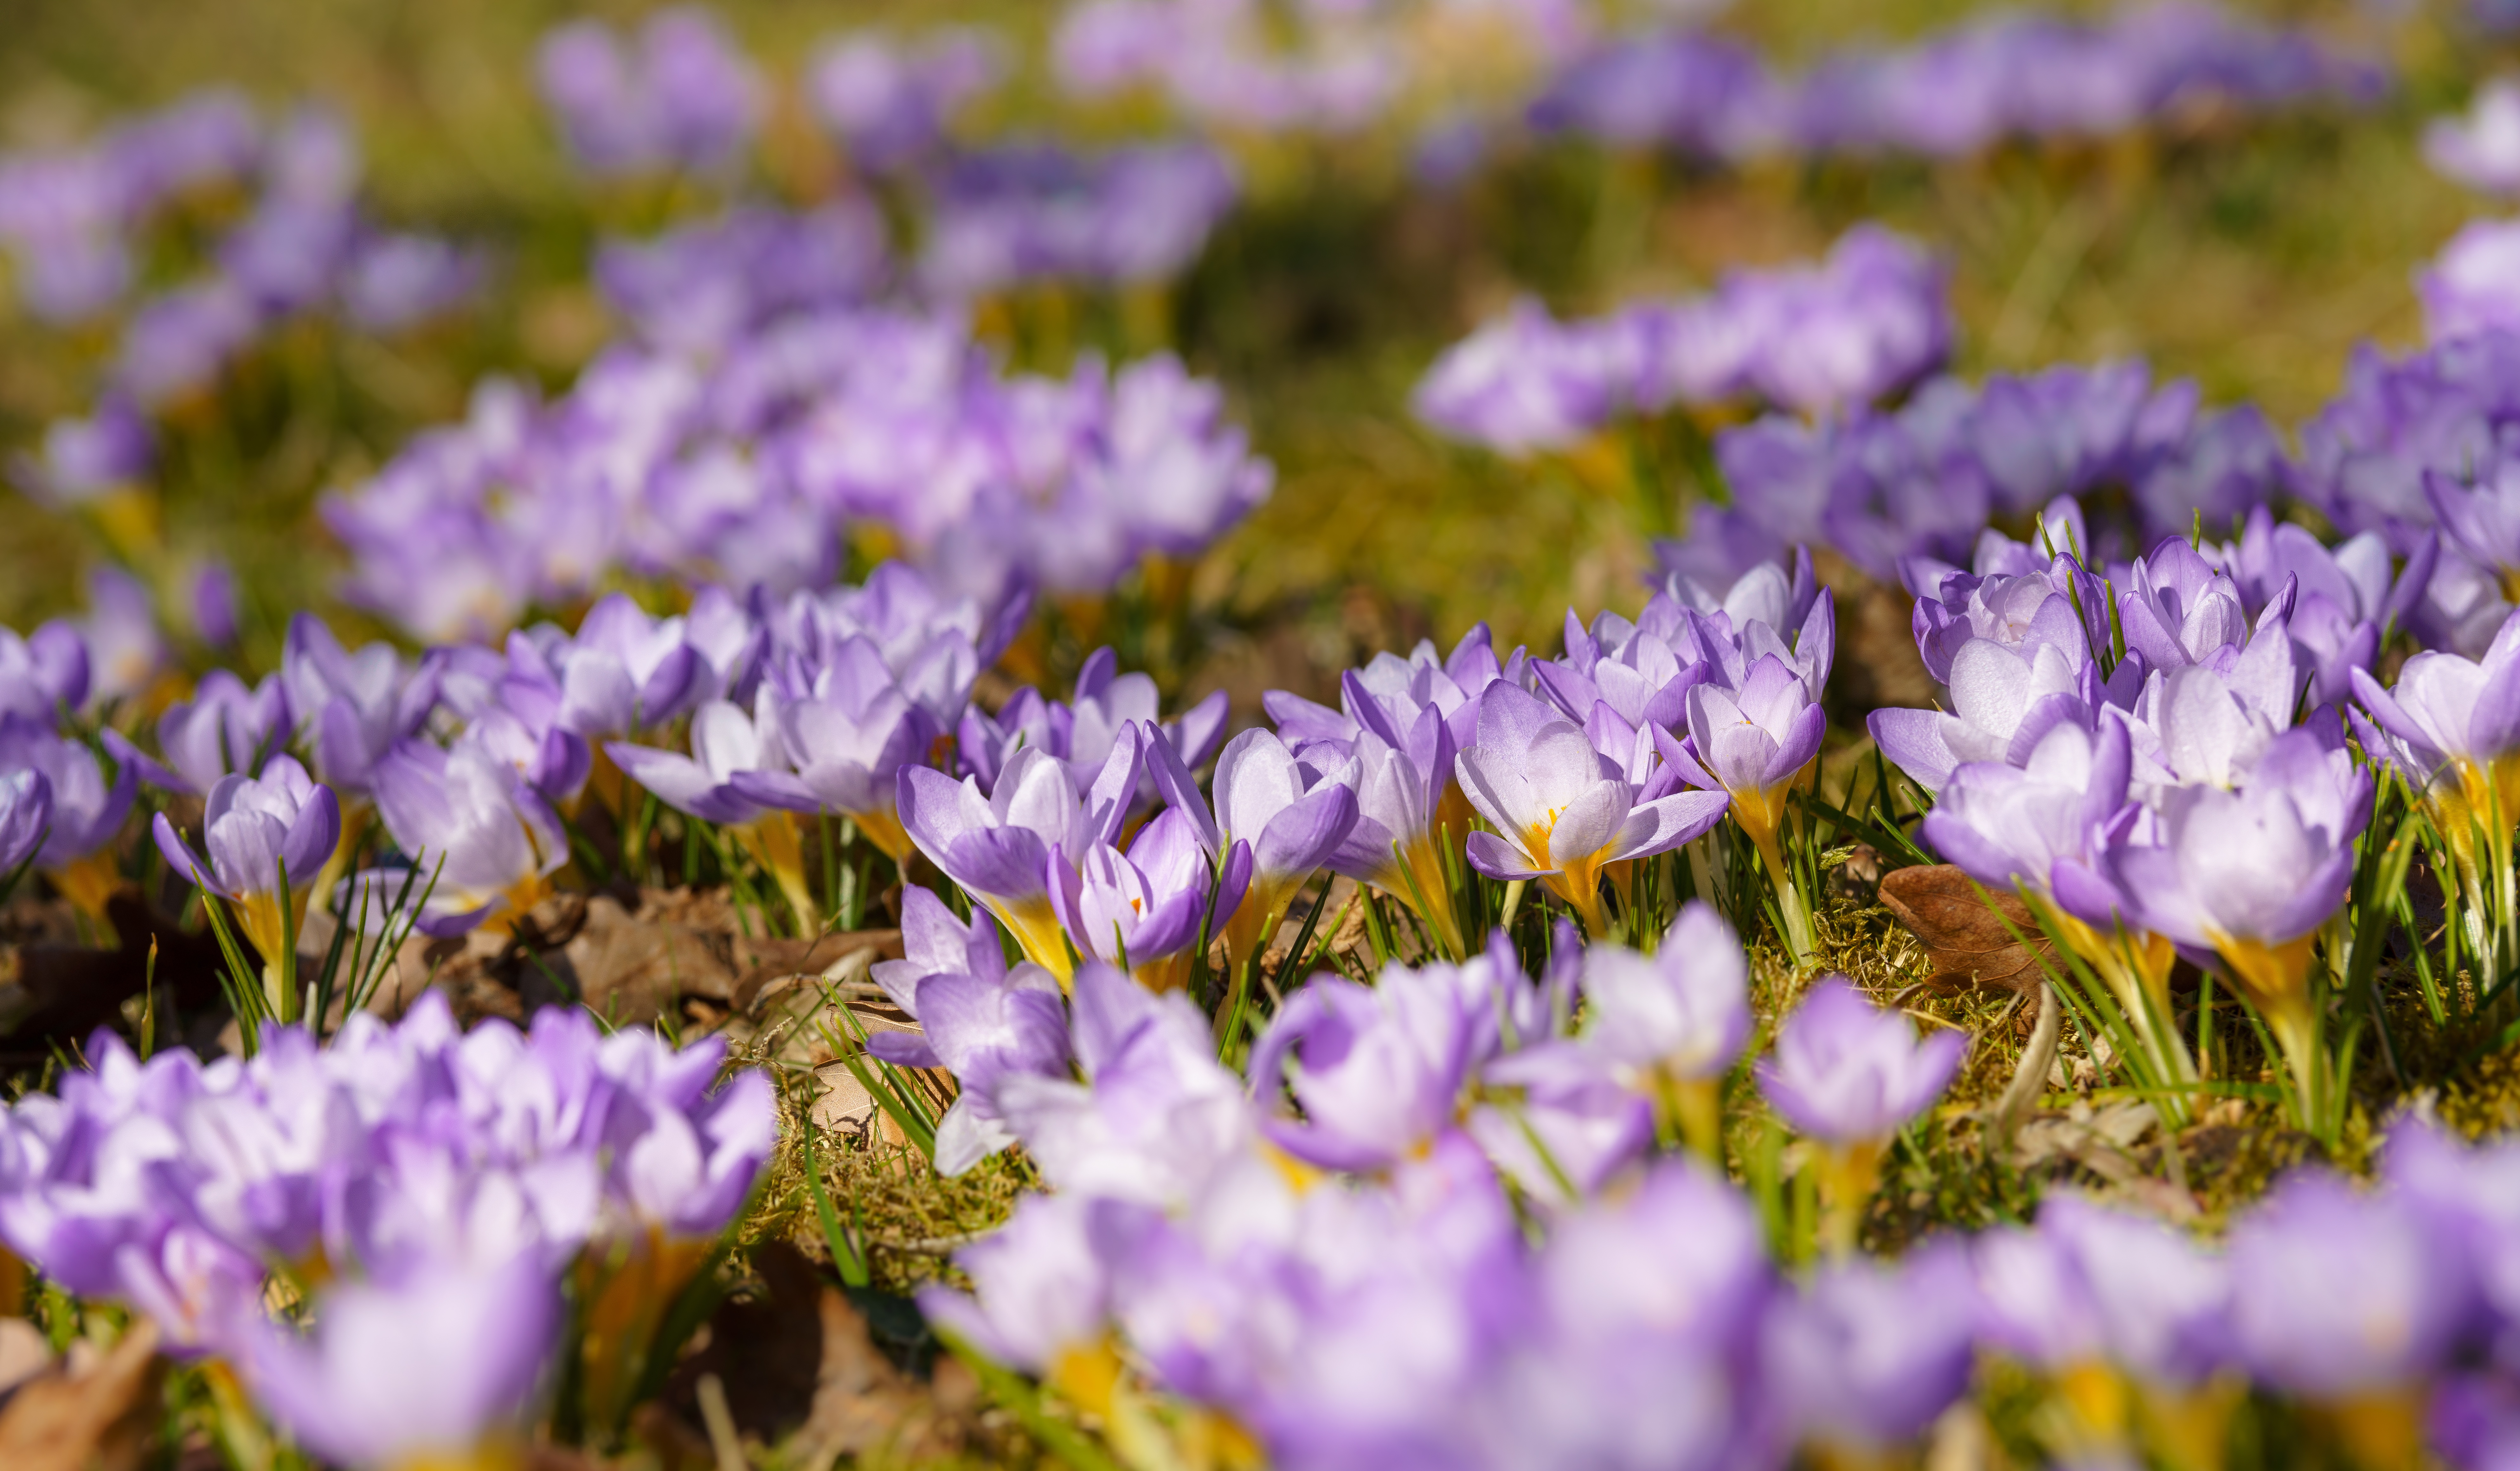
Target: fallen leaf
x,y
1965,930
96,1417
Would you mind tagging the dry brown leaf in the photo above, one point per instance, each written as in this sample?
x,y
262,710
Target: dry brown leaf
x,y
1968,931
96,1419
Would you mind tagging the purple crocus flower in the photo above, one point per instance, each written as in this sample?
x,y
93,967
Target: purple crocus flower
x,y
485,841
1157,1118
2481,150
999,847
982,1028
1847,1072
1291,816
1040,1287
1564,815
2481,520
848,733
887,103
350,708
2161,1301
1559,1121
2474,285
213,604
1676,1017
85,459
687,99
25,814
2388,1294
431,1365
2452,723
1867,1355
2040,827
262,833
1400,792
2253,874
42,674
725,744
223,727
88,808
393,282
1149,909
1378,1070
1757,745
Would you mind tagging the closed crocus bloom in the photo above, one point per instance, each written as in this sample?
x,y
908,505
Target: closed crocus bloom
x,y
263,833
1867,1355
1851,1075
1758,743
1379,1071
1149,909
1292,816
998,847
1561,814
435,1368
1400,789
2004,698
485,841
26,812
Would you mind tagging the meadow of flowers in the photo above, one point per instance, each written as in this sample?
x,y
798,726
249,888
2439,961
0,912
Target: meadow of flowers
x,y
732,743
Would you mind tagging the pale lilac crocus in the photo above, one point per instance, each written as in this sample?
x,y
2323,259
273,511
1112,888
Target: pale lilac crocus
x,y
2253,875
2482,149
485,841
1040,1291
998,847
982,1027
1292,815
1850,1073
1378,1070
223,727
25,814
1561,814
350,708
1865,1355
88,809
847,735
1671,1022
1149,909
437,1365
265,835
42,674
1400,789
2341,1296
736,762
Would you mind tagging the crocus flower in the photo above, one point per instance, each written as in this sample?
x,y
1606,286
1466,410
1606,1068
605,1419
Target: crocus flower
x,y
485,842
2481,150
224,728
1866,1356
1378,1070
87,811
1755,725
847,739
433,1366
2252,875
982,1028
1292,816
998,847
26,812
262,833
2386,1299
350,708
1040,1298
42,673
1562,814
1150,907
1850,1073
1400,790
2453,723
1671,1023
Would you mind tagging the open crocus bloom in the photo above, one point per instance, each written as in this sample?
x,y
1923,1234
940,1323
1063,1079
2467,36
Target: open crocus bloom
x,y
998,847
2454,727
1850,1073
1561,812
263,833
